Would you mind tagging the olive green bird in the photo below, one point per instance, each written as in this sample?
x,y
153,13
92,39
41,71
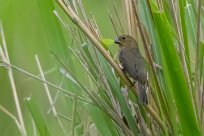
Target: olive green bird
x,y
133,64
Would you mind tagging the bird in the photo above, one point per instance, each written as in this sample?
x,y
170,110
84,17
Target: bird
x,y
133,64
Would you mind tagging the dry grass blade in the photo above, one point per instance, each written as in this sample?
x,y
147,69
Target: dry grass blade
x,y
66,92
96,26
93,39
12,116
98,101
5,58
76,20
130,17
113,23
118,18
49,95
150,60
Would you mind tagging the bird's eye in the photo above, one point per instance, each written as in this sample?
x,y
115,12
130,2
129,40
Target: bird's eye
x,y
123,38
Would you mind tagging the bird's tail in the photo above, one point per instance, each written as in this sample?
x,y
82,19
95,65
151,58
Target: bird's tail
x,y
142,93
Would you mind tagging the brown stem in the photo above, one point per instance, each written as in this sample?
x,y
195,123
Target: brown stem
x,y
75,19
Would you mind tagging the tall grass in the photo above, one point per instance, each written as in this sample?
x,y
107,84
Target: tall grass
x,y
170,34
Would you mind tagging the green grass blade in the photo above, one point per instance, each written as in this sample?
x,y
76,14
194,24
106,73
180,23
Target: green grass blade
x,y
117,92
53,30
190,24
176,78
37,117
147,19
201,60
182,5
102,121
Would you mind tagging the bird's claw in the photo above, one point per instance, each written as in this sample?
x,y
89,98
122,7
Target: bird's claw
x,y
132,84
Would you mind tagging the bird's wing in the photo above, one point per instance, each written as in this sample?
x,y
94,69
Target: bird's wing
x,y
142,71
127,60
123,61
138,62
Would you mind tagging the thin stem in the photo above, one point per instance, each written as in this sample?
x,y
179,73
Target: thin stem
x,y
48,94
112,22
93,39
64,117
66,92
74,114
150,60
75,19
12,117
5,57
118,18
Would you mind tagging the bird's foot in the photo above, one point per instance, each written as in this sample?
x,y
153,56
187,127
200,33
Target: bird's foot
x,y
123,69
132,84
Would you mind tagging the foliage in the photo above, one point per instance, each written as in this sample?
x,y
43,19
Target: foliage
x,y
169,34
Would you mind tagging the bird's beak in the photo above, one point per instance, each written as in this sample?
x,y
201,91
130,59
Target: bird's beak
x,y
117,41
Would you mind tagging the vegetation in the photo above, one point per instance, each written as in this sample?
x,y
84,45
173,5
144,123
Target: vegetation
x,y
98,96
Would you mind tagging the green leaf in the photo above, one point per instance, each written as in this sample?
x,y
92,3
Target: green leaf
x,y
190,24
103,123
182,5
175,77
108,42
37,117
117,93
148,21
201,58
51,25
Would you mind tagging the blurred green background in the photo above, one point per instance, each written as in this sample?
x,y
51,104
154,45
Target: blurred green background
x,y
26,26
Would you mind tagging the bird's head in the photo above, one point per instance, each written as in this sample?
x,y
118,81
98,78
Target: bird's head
x,y
125,41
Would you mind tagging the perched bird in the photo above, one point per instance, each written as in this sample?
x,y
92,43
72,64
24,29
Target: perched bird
x,y
133,64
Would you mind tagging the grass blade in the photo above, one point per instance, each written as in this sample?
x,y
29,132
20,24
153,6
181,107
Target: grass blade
x,y
175,77
37,117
